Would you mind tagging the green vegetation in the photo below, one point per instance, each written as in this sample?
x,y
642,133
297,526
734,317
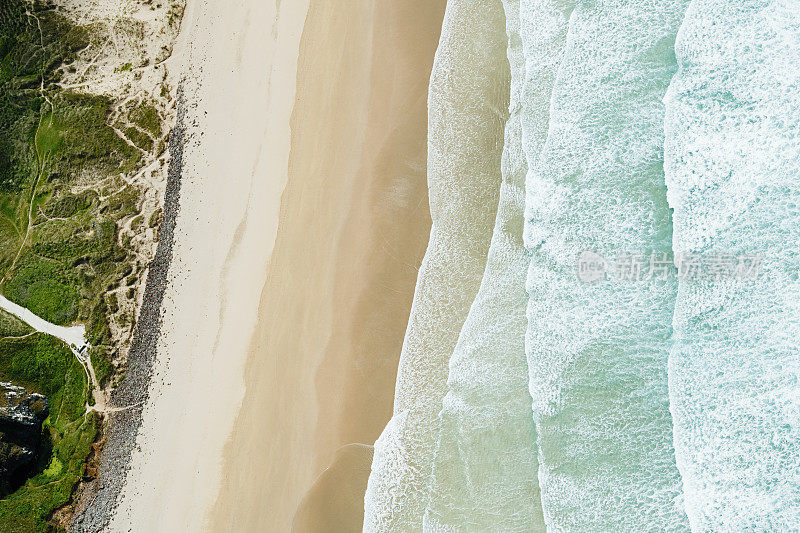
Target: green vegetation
x,y
11,326
140,139
146,117
59,252
43,364
61,193
155,218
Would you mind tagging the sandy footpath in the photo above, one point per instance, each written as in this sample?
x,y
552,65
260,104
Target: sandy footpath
x,y
239,60
354,227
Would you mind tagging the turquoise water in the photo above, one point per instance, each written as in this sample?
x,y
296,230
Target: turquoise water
x,y
598,352
533,398
733,171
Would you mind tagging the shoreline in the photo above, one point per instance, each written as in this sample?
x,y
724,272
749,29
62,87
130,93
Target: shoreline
x,y
98,498
321,368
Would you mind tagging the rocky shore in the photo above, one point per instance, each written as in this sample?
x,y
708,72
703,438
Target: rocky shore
x,y
98,498
21,417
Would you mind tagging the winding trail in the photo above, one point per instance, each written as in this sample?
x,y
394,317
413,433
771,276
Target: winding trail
x,y
72,336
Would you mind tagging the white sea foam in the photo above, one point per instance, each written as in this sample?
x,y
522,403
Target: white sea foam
x,y
485,470
597,353
468,103
732,163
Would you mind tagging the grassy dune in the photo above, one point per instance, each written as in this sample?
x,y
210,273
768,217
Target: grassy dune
x,y
61,195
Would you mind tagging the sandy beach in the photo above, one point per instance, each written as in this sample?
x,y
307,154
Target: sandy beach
x,y
237,64
302,223
354,227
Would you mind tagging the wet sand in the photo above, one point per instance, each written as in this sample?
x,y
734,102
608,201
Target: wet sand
x,y
336,500
354,225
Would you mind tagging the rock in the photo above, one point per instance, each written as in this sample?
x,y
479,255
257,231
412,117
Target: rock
x,y
21,417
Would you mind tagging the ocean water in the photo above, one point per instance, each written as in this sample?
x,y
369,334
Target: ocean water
x,y
642,395
597,352
484,472
733,172
468,109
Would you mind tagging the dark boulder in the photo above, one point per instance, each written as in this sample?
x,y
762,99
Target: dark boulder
x,y
21,417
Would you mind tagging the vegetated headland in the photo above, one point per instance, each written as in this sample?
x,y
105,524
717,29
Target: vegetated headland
x,y
82,173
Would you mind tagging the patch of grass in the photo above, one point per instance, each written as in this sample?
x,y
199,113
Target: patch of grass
x,y
155,218
54,468
86,141
137,222
48,137
69,205
38,362
45,289
11,326
146,117
122,203
139,139
103,369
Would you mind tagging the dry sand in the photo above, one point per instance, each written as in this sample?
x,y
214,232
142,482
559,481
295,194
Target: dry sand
x,y
354,227
313,328
240,60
